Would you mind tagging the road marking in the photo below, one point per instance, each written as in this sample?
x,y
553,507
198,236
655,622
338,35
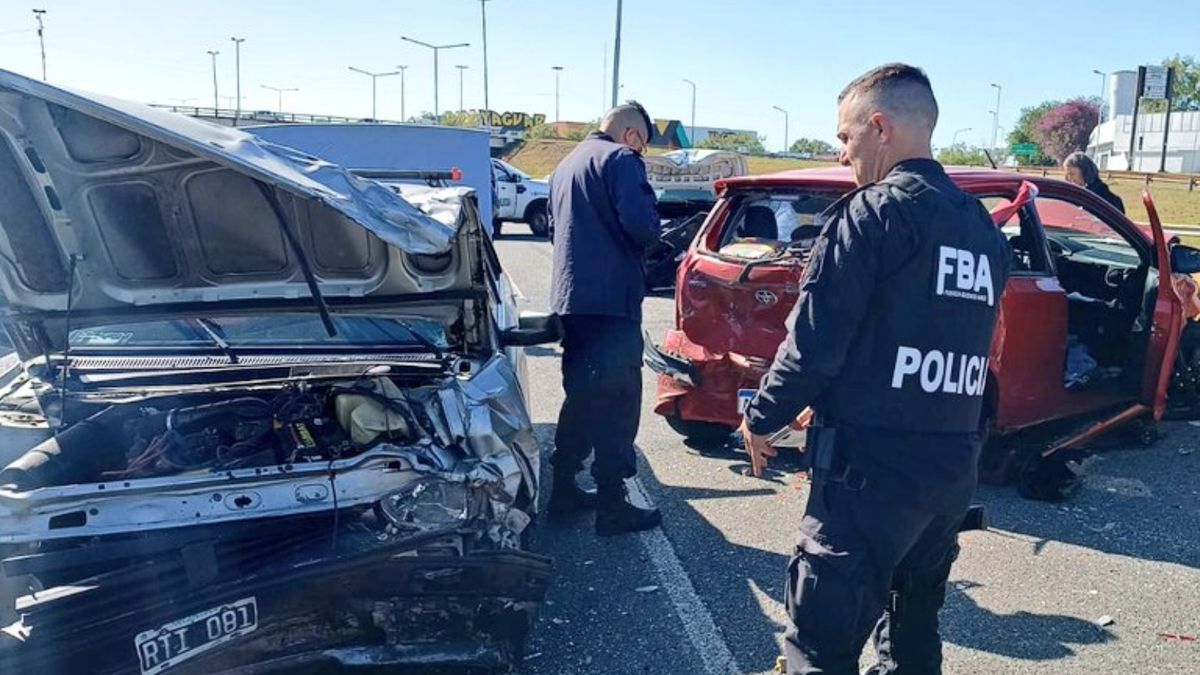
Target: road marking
x,y
703,633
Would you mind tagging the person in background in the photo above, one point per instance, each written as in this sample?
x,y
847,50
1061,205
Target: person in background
x,y
1082,171
604,215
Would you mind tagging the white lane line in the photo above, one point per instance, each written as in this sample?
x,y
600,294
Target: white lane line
x,y
703,633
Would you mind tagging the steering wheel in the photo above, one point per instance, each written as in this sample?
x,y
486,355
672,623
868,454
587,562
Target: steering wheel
x,y
1115,277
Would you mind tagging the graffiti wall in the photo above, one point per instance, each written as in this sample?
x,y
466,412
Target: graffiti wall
x,y
513,121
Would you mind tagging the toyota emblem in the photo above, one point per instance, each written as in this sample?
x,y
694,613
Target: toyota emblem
x,y
766,297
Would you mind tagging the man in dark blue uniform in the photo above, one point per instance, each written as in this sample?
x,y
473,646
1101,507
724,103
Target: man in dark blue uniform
x,y
603,215
889,344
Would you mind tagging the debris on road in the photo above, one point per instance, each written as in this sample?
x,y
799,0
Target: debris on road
x,y
1104,528
646,589
1105,621
535,655
1174,637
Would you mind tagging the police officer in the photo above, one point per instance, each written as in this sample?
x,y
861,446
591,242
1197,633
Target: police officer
x,y
888,342
603,215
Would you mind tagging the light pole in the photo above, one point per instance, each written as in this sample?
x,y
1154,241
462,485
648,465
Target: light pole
x,y
279,91
216,99
1099,110
237,59
374,77
954,140
486,104
436,49
461,70
996,116
38,14
403,115
692,133
617,58
557,70
785,126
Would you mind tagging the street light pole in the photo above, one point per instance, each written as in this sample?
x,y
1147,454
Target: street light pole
x,y
996,118
436,49
461,70
216,99
374,77
237,50
1099,110
692,133
486,103
954,139
785,126
617,58
403,115
38,14
279,92
557,70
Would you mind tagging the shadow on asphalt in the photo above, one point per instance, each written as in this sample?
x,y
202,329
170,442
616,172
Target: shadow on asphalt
x,y
731,578
1021,635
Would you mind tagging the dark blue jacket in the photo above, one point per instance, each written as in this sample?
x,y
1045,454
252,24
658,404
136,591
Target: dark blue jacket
x,y
603,214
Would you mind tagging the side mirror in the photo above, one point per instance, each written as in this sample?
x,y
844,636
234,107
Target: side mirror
x,y
1185,259
533,328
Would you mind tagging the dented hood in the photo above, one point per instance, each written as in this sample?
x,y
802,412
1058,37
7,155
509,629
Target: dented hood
x,y
120,205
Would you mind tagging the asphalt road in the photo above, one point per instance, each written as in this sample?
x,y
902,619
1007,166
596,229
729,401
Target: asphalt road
x,y
703,594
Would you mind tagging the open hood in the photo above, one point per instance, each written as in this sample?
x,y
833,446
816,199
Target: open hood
x,y
122,206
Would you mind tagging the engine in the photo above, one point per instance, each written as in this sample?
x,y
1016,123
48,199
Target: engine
x,y
180,435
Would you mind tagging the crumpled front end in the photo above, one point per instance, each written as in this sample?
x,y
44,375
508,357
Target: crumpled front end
x,y
390,533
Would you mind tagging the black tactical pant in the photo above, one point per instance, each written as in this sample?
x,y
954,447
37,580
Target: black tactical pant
x,y
602,379
862,565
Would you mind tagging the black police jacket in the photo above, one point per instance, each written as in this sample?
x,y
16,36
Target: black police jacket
x,y
604,215
897,307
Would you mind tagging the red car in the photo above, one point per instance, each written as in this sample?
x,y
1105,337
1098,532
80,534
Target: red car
x,y
1088,337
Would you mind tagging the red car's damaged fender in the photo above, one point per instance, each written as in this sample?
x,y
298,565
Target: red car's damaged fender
x,y
731,305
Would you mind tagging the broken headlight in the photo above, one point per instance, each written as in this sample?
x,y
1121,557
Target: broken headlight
x,y
428,503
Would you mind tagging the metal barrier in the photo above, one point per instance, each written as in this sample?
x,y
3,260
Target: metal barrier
x,y
1191,180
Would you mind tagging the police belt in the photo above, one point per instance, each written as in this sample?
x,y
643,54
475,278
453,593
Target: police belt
x,y
826,463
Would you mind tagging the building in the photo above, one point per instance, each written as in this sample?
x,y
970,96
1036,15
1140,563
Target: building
x,y
1110,142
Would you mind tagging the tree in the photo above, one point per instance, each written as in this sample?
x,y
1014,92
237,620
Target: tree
x,y
462,118
961,155
539,131
1023,132
1066,128
743,142
811,145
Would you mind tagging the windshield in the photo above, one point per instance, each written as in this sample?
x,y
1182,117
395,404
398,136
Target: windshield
x,y
275,330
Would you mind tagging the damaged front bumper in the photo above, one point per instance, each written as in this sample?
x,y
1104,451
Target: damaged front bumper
x,y
311,596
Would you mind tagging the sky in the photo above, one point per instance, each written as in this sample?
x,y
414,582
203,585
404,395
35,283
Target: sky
x,y
745,56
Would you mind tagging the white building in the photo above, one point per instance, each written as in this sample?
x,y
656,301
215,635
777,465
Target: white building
x,y
1110,142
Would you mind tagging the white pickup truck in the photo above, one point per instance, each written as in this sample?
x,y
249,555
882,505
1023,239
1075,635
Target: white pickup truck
x,y
520,198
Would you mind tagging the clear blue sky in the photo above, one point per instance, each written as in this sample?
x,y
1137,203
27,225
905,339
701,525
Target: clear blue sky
x,y
744,55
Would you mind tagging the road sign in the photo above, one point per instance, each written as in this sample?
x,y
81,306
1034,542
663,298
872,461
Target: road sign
x,y
1155,85
1027,149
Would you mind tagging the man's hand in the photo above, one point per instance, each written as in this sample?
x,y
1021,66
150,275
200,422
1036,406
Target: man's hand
x,y
757,448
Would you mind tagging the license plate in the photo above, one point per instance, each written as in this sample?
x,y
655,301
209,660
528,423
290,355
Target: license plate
x,y
744,398
193,635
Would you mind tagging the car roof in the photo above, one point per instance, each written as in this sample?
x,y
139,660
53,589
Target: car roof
x,y
969,178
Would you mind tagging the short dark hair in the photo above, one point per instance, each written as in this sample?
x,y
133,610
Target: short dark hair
x,y
1080,160
625,116
899,89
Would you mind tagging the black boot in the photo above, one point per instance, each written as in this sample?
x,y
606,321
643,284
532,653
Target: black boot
x,y
615,515
567,497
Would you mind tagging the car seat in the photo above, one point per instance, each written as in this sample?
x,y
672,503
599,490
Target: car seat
x,y
759,223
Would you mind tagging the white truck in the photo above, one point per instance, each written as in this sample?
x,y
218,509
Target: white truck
x,y
520,198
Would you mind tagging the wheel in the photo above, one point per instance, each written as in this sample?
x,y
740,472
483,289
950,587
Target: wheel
x,y
538,219
704,435
1053,478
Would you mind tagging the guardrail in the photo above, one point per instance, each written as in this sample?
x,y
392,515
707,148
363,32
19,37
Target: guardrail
x,y
1191,180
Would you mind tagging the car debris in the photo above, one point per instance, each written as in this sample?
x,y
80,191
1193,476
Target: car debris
x,y
1105,621
279,409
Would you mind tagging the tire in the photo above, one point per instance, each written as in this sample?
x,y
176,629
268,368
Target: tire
x,y
538,219
703,435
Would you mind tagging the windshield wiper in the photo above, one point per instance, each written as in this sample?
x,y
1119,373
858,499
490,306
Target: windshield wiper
x,y
211,330
425,342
